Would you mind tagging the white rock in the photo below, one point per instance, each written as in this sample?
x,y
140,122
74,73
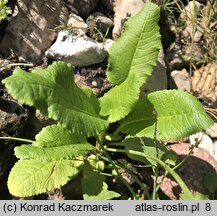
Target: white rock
x,y
212,131
107,44
215,149
78,50
195,137
181,79
205,141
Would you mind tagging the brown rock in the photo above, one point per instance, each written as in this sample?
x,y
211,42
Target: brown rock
x,y
28,34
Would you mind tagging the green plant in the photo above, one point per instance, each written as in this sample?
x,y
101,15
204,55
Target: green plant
x,y
4,10
61,151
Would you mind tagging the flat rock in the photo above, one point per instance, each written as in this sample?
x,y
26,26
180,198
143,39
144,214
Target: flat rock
x,y
28,33
181,79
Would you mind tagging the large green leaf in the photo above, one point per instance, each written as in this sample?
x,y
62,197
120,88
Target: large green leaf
x,y
68,151
131,61
55,93
45,164
178,114
53,143
29,177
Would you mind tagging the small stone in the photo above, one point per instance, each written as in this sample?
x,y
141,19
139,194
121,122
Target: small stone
x,y
181,79
77,23
212,131
99,22
94,84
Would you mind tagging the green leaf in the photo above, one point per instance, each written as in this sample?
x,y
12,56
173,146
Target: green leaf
x,y
131,61
54,92
53,143
98,190
56,135
45,164
179,114
29,177
52,153
146,146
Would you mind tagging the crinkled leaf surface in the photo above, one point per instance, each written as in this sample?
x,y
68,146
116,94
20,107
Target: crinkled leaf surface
x,y
45,164
54,143
131,61
68,151
30,177
55,93
56,135
178,115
